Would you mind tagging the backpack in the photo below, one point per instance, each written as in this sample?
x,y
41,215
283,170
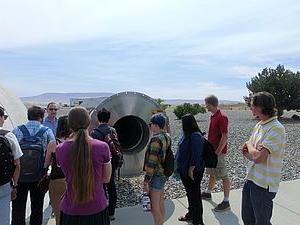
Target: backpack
x,y
169,162
7,166
33,159
56,172
210,157
114,146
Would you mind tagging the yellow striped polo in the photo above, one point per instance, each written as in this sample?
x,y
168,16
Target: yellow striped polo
x,y
271,135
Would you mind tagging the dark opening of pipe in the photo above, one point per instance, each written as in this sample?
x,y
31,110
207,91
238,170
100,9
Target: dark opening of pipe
x,y
133,134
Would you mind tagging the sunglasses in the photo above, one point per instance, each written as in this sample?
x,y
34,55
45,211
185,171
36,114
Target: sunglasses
x,y
53,109
5,117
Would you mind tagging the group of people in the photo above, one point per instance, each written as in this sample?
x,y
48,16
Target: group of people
x,y
264,150
82,187
81,174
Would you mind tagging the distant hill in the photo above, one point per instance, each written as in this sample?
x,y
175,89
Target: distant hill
x,y
62,97
65,98
194,101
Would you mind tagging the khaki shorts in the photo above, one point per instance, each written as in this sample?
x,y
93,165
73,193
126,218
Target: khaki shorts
x,y
220,172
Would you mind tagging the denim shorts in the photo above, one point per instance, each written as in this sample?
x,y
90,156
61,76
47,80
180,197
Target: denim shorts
x,y
157,182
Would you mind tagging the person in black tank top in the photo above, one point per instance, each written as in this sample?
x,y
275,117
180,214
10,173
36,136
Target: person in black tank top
x,y
57,184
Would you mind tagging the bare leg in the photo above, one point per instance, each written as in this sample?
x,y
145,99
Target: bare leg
x,y
226,187
162,204
211,182
156,208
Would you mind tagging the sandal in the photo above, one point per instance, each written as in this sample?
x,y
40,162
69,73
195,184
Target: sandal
x,y
184,219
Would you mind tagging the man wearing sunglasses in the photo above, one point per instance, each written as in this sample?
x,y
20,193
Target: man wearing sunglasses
x,y
51,120
10,153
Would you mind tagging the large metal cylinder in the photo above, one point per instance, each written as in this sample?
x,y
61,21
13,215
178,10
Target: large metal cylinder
x,y
130,115
16,110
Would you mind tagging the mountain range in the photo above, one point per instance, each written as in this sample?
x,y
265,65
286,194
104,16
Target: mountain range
x,y
65,98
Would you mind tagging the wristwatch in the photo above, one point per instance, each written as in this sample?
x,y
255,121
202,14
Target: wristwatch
x,y
15,186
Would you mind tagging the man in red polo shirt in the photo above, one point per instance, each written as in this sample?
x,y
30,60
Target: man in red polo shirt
x,y
217,136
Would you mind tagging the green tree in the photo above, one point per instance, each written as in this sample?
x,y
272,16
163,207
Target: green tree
x,y
283,84
185,108
161,103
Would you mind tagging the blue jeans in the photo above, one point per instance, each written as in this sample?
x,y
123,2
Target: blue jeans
x,y
5,191
157,183
257,204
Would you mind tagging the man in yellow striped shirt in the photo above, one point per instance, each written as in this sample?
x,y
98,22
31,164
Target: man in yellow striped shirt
x,y
265,152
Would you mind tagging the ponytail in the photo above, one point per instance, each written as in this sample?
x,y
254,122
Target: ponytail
x,y
82,181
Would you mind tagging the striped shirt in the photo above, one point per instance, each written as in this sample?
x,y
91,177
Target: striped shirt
x,y
155,155
271,135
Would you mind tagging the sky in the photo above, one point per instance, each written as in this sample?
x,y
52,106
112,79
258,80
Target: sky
x,y
179,49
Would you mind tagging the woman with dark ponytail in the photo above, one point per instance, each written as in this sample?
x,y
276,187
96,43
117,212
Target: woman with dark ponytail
x,y
86,165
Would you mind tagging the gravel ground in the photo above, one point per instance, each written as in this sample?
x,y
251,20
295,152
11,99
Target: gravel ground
x,y
241,124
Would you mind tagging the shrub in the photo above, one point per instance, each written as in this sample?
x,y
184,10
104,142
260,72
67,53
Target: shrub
x,y
185,108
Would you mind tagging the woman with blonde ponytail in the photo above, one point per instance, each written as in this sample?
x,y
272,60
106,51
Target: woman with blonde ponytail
x,y
86,165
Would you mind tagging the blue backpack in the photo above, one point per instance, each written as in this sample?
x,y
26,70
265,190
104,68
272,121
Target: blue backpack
x,y
33,159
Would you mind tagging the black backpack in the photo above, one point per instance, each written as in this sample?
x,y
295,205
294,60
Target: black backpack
x,y
209,156
169,162
33,159
7,166
56,172
114,145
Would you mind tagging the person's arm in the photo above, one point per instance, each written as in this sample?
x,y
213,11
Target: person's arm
x,y
222,143
16,174
197,153
245,152
50,148
106,168
257,155
223,123
15,179
106,174
17,153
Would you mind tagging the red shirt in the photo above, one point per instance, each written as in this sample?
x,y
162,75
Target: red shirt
x,y
218,125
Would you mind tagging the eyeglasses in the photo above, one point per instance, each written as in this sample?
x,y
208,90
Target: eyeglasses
x,y
53,109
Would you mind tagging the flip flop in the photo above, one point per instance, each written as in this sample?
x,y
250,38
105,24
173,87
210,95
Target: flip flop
x,y
184,219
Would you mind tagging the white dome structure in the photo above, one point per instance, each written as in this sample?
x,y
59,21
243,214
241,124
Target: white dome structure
x,y
16,110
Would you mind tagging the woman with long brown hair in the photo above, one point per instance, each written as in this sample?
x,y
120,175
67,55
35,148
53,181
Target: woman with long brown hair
x,y
86,165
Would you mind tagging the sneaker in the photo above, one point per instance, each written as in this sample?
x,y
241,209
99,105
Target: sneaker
x,y
206,196
223,206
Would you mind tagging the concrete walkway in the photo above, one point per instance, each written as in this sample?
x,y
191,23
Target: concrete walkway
x,y
286,209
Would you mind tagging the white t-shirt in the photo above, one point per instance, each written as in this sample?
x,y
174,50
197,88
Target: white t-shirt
x,y
17,153
16,150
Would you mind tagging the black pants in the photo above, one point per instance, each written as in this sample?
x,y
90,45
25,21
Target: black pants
x,y
112,194
193,192
19,204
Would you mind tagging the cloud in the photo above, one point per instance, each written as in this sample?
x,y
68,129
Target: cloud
x,y
244,72
193,47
